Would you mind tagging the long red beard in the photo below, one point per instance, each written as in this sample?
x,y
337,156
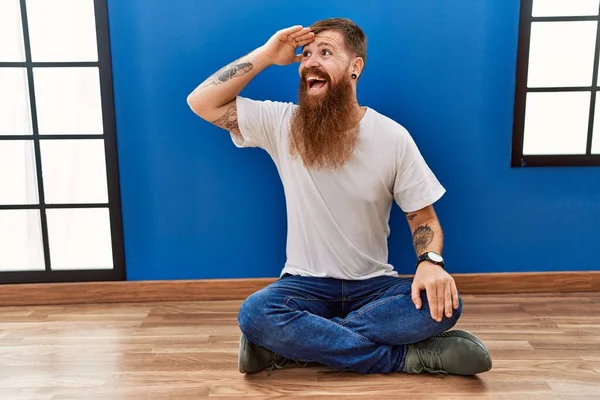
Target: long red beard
x,y
324,128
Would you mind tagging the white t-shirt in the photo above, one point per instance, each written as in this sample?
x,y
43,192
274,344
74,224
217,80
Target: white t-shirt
x,y
338,220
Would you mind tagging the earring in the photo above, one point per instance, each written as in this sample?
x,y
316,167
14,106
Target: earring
x,y
353,76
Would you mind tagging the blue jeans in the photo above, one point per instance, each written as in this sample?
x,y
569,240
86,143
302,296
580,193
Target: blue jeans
x,y
363,326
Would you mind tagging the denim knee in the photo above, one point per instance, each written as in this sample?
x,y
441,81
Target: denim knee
x,y
250,311
255,317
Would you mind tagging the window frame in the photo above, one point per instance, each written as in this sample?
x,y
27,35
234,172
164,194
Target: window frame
x,y
518,159
104,65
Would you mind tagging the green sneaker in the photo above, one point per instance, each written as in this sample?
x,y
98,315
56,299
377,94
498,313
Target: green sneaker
x,y
254,358
453,352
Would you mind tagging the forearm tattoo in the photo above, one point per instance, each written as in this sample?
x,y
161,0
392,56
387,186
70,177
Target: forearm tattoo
x,y
227,73
422,237
410,216
229,120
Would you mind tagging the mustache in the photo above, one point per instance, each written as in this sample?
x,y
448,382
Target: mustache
x,y
317,72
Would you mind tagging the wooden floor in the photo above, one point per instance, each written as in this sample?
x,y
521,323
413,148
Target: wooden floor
x,y
543,347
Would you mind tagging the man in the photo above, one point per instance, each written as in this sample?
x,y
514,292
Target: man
x,y
338,302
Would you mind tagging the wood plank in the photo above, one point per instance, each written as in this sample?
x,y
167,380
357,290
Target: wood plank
x,y
531,282
129,291
188,350
237,289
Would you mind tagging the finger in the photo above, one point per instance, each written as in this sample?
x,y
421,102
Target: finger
x,y
304,43
298,58
454,295
291,30
304,39
432,300
448,298
440,289
416,296
301,32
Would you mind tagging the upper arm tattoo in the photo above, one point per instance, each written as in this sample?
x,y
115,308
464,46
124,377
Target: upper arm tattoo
x,y
229,120
422,237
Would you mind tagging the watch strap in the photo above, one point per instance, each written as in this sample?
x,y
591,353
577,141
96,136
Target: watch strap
x,y
425,257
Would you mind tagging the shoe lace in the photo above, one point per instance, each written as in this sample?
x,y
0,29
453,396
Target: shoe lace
x,y
279,362
430,358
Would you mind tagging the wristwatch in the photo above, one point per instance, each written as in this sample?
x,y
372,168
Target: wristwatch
x,y
432,257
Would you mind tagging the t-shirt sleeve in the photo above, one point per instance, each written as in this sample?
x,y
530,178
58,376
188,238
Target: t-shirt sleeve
x,y
260,123
415,185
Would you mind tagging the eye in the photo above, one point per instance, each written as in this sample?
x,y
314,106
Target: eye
x,y
325,52
306,53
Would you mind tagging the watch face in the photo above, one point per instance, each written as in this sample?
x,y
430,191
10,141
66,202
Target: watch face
x,y
435,257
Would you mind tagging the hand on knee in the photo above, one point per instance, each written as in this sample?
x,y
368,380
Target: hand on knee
x,y
456,313
441,294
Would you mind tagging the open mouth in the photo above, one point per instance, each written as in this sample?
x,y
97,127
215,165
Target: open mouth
x,y
314,83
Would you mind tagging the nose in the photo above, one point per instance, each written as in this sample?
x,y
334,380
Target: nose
x,y
311,61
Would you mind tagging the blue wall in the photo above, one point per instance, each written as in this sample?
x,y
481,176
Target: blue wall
x,y
194,206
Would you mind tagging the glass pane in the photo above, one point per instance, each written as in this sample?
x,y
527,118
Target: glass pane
x,y
556,123
62,30
80,238
68,100
74,171
596,134
15,118
17,172
561,54
565,8
21,246
11,31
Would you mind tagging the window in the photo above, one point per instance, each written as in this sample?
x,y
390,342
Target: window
x,y
60,213
557,114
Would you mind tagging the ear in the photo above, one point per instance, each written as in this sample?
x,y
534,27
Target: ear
x,y
357,65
